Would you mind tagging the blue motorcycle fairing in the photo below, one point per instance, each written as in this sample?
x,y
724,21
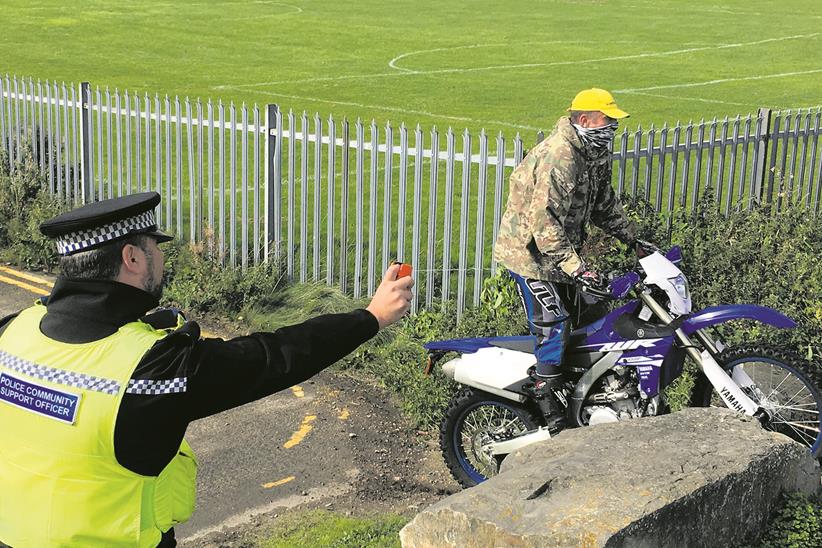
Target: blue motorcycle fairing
x,y
600,331
714,315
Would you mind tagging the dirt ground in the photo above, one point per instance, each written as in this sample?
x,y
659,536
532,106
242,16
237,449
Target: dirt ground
x,y
398,469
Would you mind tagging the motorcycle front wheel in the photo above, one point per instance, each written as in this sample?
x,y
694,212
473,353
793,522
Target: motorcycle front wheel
x,y
784,387
474,419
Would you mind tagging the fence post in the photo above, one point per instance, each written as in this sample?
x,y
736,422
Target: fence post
x,y
761,143
87,184
270,192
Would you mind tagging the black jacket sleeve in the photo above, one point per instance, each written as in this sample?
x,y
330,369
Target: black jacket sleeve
x,y
225,374
222,374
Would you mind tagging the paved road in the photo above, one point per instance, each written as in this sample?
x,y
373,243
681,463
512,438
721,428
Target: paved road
x,y
331,442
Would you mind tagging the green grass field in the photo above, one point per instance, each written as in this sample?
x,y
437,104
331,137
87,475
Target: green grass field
x,y
508,66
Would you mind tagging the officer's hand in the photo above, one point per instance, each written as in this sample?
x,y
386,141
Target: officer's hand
x,y
393,297
644,248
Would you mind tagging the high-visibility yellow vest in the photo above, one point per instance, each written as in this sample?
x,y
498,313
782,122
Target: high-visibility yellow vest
x,y
60,482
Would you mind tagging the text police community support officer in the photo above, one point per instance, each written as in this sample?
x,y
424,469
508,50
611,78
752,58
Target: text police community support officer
x,y
95,397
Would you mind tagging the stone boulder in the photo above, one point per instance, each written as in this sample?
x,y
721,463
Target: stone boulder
x,y
699,477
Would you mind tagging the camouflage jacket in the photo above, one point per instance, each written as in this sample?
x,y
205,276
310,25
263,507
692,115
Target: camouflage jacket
x,y
553,193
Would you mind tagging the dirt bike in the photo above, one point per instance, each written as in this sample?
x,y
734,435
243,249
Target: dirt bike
x,y
616,369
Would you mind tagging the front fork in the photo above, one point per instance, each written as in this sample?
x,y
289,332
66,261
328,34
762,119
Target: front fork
x,y
728,387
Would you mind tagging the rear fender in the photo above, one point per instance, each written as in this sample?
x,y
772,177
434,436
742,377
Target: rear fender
x,y
715,315
499,371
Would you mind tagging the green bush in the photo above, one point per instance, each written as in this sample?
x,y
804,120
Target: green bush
x,y
23,206
751,257
796,524
200,283
261,297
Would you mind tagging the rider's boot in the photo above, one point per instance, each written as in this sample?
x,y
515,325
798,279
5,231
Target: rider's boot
x,y
549,393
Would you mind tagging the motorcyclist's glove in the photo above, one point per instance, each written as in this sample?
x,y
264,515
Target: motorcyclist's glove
x,y
585,278
645,248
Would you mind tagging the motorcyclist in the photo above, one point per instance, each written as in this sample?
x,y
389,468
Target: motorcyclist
x,y
563,183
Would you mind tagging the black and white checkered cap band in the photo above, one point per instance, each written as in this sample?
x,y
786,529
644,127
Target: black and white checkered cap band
x,y
83,239
59,376
154,387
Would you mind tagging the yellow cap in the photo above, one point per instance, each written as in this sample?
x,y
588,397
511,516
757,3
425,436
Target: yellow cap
x,y
597,99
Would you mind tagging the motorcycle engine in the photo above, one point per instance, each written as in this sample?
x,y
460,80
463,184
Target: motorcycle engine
x,y
616,398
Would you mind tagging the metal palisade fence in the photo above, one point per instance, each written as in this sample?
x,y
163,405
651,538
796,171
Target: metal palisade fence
x,y
336,201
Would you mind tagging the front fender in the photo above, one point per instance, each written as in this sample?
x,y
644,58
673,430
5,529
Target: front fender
x,y
714,315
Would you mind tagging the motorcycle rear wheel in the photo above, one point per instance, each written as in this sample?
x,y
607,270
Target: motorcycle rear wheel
x,y
472,419
786,387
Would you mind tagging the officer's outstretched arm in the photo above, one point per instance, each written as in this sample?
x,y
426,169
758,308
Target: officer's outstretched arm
x,y
225,374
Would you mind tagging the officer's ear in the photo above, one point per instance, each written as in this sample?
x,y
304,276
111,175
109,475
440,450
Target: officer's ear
x,y
132,259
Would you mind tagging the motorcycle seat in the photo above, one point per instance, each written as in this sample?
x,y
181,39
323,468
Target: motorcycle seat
x,y
519,344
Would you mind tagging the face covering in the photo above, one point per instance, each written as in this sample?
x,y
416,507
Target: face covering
x,y
597,137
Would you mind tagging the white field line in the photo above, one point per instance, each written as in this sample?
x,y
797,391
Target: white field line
x,y
526,65
717,101
176,5
393,62
268,15
390,109
720,81
717,9
683,98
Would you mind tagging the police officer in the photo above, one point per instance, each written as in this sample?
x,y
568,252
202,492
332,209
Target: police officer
x,y
562,184
95,396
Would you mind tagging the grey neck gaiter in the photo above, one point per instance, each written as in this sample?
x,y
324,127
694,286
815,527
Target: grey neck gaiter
x,y
596,137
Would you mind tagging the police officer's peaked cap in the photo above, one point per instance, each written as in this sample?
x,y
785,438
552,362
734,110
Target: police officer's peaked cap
x,y
105,221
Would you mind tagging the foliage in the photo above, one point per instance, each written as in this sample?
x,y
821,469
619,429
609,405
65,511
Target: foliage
x,y
22,208
261,297
197,281
762,258
328,530
796,524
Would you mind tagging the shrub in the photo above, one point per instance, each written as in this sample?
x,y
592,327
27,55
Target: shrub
x,y
261,297
200,283
23,206
796,524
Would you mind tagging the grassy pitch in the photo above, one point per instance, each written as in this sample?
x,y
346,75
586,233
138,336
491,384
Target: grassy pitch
x,y
502,65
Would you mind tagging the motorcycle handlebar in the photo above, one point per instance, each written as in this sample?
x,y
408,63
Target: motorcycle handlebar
x,y
599,294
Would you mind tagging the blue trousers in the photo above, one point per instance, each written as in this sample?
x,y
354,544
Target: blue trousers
x,y
548,321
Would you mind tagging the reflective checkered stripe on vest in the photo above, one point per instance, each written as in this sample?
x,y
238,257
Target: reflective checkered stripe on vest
x,y
60,483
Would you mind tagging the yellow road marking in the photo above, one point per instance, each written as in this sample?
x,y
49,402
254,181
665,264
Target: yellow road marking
x,y
26,276
24,285
344,414
278,482
300,434
298,391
